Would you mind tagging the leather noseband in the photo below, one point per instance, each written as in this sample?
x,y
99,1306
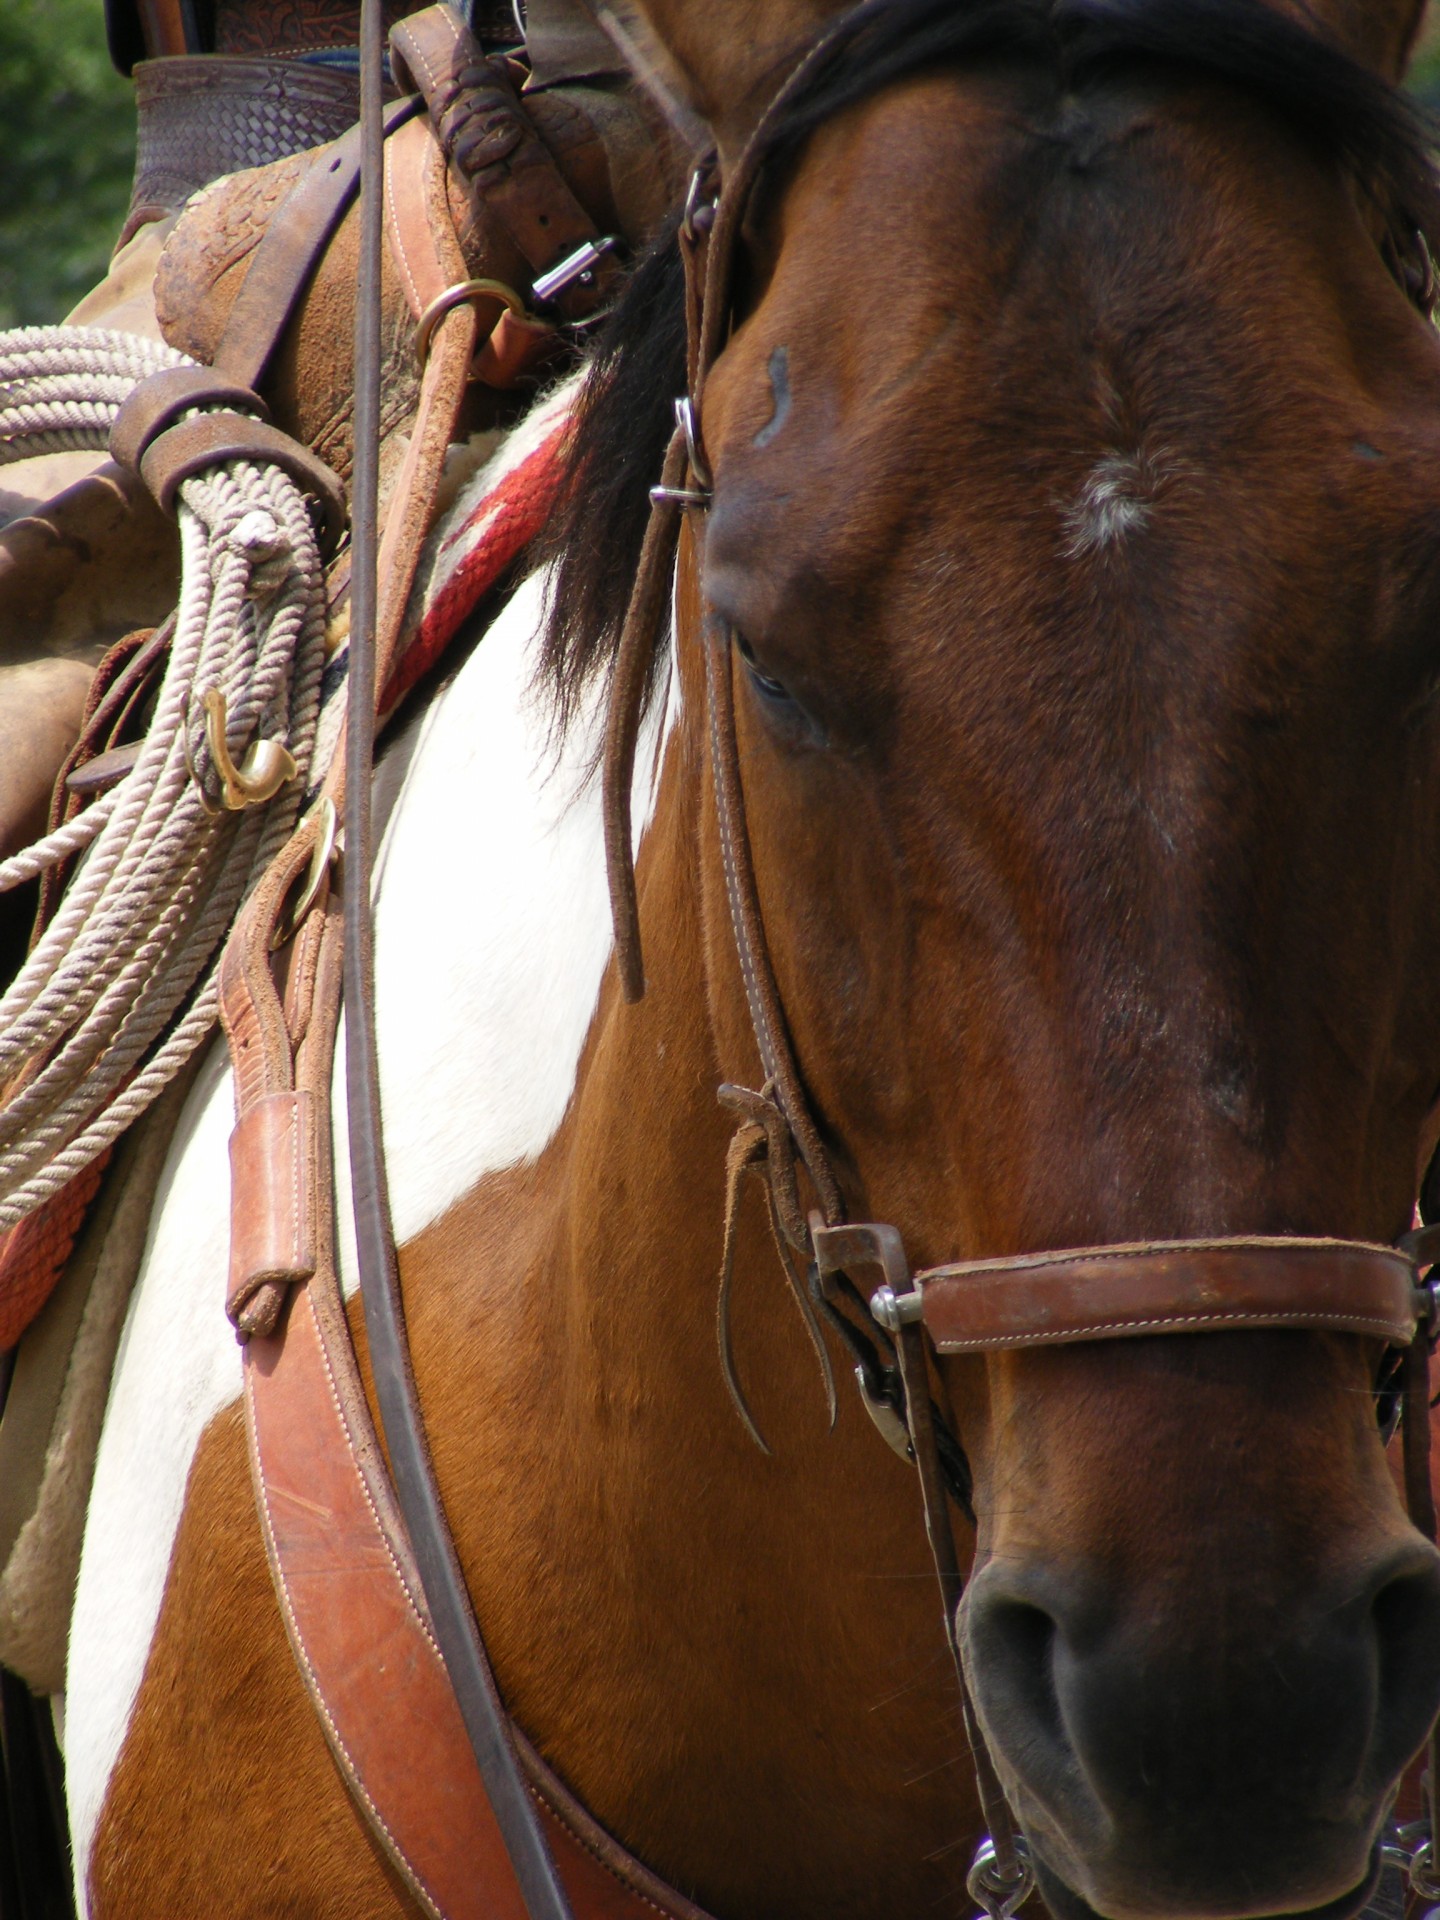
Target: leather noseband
x,y
1149,1287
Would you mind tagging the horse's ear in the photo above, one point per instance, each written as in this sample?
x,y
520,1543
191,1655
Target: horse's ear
x,y
716,66
1381,33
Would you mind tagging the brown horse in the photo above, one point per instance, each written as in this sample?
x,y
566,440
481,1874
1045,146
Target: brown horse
x,y
1075,506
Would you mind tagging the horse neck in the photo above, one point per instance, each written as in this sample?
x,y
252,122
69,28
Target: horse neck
x,y
709,1644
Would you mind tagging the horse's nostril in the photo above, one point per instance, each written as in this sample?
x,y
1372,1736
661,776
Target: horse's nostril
x,y
1012,1642
1405,1614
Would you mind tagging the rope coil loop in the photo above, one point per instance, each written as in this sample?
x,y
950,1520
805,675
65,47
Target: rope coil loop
x,y
119,990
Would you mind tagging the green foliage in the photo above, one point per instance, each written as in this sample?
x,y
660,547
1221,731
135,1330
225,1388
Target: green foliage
x,y
1424,76
67,123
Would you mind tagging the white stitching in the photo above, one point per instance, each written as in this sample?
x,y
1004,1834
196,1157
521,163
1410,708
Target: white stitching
x,y
1077,1333
1086,1256
402,1859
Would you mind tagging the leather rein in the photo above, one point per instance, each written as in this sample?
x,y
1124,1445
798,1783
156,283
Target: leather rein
x,y
1087,1294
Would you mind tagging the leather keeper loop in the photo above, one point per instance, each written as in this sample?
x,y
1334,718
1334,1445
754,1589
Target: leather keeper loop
x,y
273,1236
157,404
518,345
210,438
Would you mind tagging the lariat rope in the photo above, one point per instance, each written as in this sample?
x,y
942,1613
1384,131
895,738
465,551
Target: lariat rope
x,y
119,990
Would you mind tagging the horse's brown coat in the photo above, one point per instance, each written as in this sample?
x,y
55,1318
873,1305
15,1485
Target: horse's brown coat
x,y
1099,873
608,1575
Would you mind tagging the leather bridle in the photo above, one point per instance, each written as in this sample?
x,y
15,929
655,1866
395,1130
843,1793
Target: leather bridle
x,y
1088,1294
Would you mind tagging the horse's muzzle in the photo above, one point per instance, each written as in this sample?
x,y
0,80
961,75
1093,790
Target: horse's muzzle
x,y
1222,1762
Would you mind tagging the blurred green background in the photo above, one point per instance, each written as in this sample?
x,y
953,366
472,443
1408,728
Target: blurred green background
x,y
1425,75
67,137
67,127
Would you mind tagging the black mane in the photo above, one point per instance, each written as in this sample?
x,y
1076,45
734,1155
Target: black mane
x,y
638,369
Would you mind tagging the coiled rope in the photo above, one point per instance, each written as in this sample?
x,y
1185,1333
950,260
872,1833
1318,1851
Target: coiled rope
x,y
119,991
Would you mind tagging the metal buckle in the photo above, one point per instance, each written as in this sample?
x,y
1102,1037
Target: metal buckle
x,y
321,856
693,222
579,265
996,1896
689,424
701,493
895,1304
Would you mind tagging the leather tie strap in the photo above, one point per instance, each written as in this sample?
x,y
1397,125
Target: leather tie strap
x,y
158,402
207,439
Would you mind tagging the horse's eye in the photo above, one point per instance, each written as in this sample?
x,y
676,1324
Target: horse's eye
x,y
771,688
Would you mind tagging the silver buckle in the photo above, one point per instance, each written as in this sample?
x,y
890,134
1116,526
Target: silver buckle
x,y
579,265
696,203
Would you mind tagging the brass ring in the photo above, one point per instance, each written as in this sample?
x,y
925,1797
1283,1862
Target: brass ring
x,y
463,293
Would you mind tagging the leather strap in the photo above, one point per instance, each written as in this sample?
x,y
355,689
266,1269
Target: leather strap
x,y
1194,1286
206,439
423,241
168,26
275,1184
489,139
159,401
347,1583
563,41
421,237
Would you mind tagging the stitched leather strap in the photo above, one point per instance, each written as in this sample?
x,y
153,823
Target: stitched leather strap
x,y
347,1584
424,240
490,141
1193,1286
421,237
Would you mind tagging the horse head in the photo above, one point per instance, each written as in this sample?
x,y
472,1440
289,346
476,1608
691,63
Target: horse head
x,y
1072,541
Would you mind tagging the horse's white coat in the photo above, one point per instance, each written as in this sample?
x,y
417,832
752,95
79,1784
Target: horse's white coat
x,y
1115,501
492,934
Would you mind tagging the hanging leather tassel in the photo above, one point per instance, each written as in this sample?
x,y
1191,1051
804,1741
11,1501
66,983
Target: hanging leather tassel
x,y
638,640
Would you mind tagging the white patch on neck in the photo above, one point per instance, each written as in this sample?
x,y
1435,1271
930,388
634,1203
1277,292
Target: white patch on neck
x,y
492,936
1116,502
